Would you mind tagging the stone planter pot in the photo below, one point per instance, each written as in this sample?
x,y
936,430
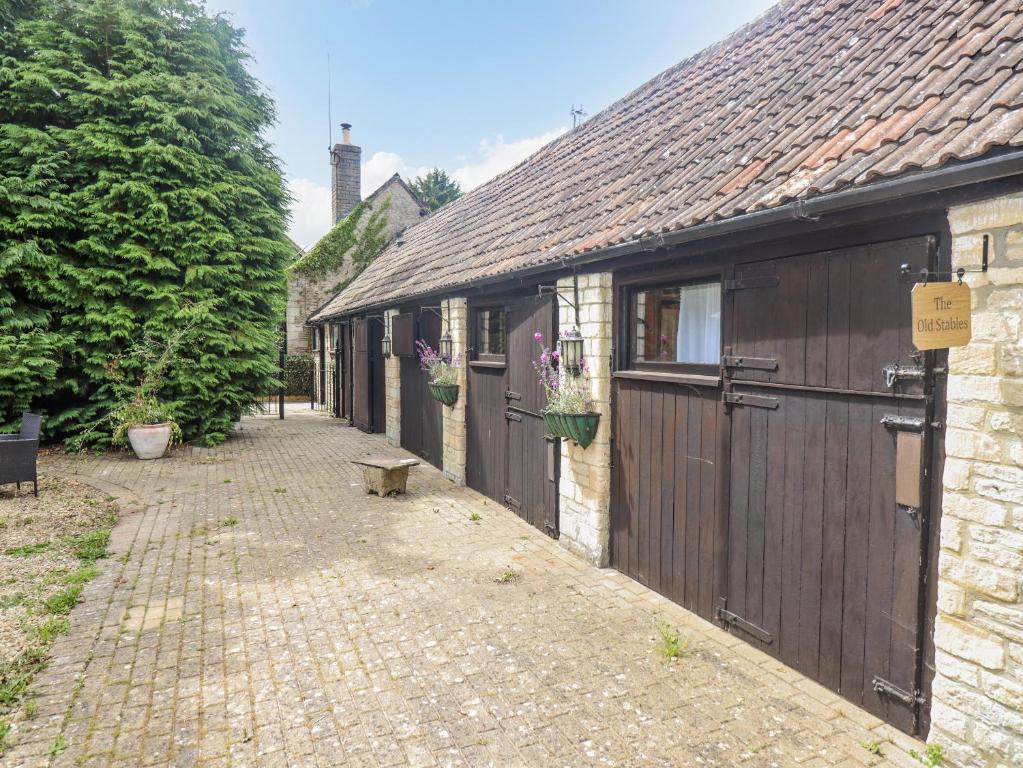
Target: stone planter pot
x,y
149,441
445,393
580,428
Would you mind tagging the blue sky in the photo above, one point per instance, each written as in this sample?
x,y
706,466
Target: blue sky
x,y
470,87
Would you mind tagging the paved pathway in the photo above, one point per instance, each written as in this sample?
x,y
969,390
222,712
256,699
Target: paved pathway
x,y
328,628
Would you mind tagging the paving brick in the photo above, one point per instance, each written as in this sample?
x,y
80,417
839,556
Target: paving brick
x,y
333,628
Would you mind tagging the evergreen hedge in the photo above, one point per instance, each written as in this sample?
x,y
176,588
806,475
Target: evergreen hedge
x,y
298,375
138,196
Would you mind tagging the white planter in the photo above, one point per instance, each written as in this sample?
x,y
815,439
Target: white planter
x,y
149,441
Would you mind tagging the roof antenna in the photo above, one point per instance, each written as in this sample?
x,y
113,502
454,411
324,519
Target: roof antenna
x,y
577,114
330,121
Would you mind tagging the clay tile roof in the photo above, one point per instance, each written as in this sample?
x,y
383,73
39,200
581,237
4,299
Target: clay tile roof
x,y
813,97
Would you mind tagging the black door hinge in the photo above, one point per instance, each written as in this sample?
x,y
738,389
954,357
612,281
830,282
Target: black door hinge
x,y
741,361
752,401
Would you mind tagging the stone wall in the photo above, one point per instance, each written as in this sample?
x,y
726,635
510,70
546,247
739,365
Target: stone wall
x,y
392,387
454,320
585,483
978,689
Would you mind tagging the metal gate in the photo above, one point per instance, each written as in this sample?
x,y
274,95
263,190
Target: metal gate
x,y
830,431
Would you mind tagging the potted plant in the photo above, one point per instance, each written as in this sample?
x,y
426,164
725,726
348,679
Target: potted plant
x,y
443,373
146,424
569,411
141,418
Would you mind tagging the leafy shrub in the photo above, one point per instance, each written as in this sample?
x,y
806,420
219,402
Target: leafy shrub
x,y
298,375
139,196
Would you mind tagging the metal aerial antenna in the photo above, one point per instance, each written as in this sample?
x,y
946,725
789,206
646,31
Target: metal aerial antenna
x,y
577,114
330,121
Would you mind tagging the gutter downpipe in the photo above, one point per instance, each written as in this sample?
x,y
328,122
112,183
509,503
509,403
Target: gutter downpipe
x,y
939,180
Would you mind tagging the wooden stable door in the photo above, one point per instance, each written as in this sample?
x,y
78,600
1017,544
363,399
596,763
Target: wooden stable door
x,y
422,417
511,458
828,486
362,391
532,454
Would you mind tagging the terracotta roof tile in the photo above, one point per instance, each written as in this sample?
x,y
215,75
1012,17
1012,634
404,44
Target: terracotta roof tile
x,y
814,97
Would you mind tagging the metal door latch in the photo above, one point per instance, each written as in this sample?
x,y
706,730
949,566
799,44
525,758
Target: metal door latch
x,y
890,690
893,372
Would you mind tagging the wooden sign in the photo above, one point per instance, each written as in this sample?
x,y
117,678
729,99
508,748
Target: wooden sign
x,y
941,315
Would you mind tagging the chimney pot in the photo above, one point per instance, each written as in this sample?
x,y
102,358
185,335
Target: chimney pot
x,y
346,133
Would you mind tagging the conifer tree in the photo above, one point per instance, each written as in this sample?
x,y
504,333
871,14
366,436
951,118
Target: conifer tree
x,y
435,189
138,196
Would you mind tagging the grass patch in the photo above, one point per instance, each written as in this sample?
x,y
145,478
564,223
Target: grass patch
x,y
58,746
475,517
507,577
872,747
671,645
280,489
61,603
77,523
29,549
932,757
52,628
230,521
91,545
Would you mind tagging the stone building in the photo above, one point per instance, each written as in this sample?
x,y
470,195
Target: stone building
x,y
738,243
307,292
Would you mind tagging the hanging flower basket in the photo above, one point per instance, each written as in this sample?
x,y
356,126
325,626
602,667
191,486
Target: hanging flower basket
x,y
581,428
445,393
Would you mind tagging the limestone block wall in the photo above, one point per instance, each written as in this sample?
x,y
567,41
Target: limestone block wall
x,y
585,482
977,713
455,321
392,388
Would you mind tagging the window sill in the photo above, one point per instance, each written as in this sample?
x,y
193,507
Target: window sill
x,y
486,364
694,379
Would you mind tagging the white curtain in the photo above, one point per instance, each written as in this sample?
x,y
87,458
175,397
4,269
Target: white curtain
x,y
699,324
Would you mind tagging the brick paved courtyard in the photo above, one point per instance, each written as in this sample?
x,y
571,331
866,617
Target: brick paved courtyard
x,y
328,628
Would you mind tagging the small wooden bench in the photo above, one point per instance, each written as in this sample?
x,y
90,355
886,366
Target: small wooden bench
x,y
384,475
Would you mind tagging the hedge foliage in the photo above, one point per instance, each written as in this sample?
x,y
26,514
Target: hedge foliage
x,y
298,375
138,196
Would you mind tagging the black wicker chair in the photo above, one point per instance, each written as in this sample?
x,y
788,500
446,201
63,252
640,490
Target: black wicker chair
x,y
18,453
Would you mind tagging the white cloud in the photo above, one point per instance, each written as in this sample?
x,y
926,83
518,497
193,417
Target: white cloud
x,y
497,156
310,212
382,166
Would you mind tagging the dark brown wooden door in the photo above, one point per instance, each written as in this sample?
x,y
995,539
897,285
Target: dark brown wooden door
x,y
362,390
422,417
511,458
378,410
532,455
825,566
665,526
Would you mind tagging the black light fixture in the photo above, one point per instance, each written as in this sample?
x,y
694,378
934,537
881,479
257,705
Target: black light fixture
x,y
446,343
385,346
335,336
570,351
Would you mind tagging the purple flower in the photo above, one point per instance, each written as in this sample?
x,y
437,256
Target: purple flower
x,y
538,336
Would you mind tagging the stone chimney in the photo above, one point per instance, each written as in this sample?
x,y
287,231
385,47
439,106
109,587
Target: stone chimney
x,y
346,175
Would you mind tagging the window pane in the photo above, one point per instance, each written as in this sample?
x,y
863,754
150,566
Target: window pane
x,y
490,332
680,324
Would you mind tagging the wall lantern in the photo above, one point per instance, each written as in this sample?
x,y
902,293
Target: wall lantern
x,y
446,344
570,351
335,337
385,343
570,345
